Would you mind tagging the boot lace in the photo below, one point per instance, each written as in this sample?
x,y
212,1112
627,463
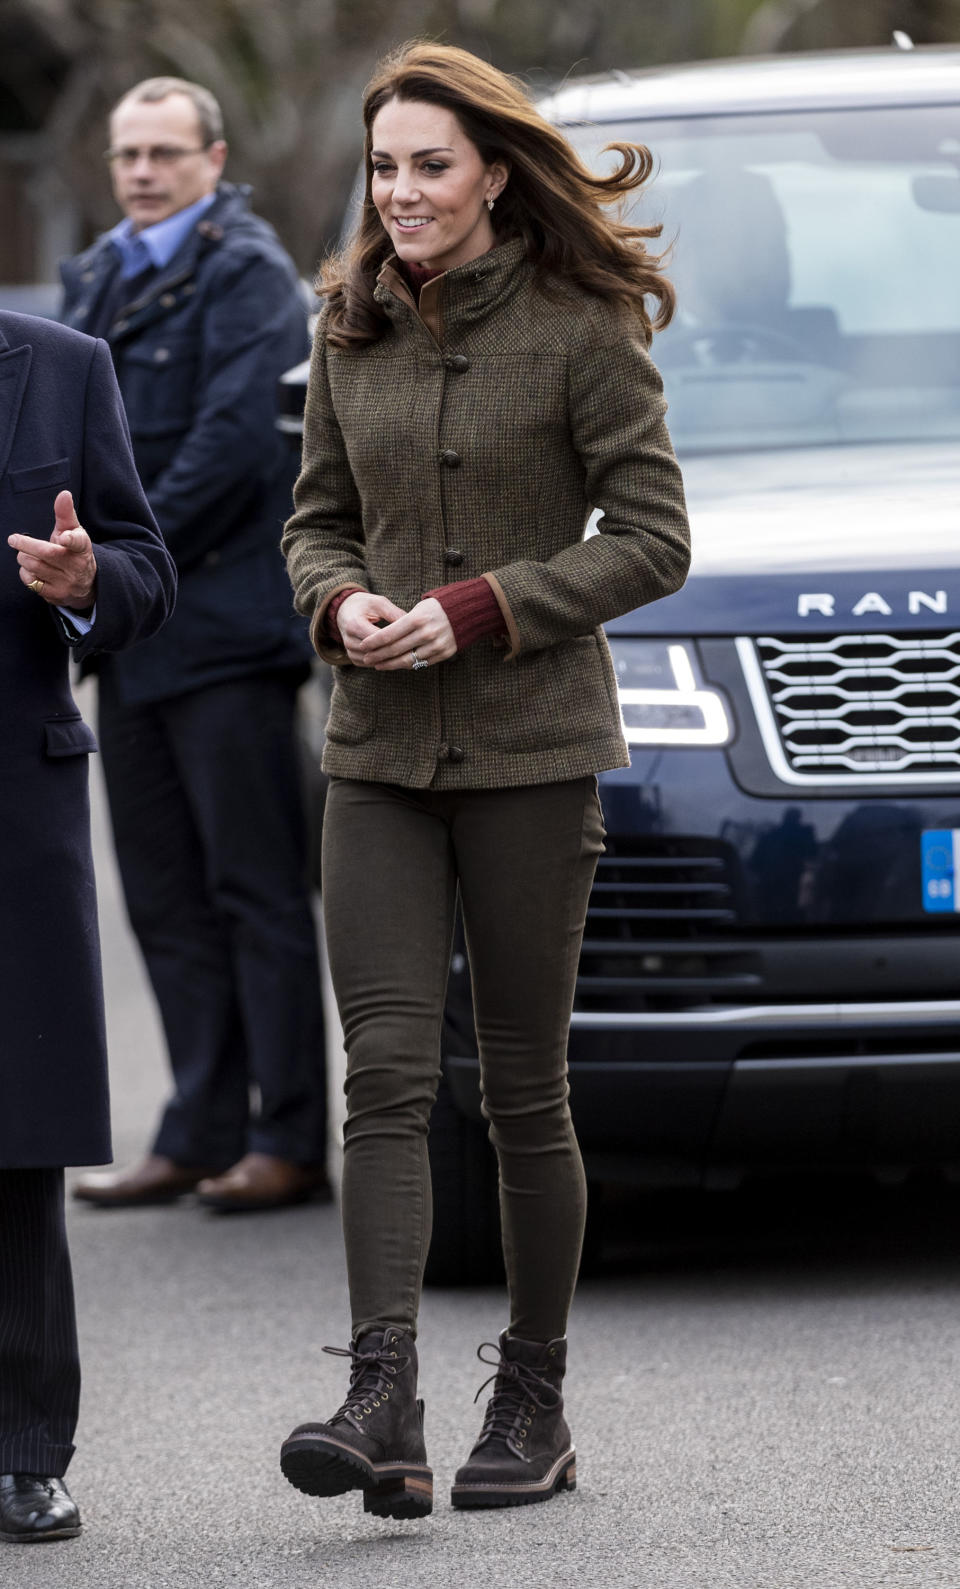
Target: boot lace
x,y
518,1392
372,1378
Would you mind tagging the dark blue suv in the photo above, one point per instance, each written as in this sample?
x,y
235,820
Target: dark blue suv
x,y
771,969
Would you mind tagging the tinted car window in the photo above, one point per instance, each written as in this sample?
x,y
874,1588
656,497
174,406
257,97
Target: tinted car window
x,y
816,258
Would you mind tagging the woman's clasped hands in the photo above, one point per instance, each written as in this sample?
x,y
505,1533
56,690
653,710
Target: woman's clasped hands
x,y
376,633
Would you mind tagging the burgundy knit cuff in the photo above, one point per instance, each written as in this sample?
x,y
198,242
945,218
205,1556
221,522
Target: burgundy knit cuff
x,y
330,616
472,609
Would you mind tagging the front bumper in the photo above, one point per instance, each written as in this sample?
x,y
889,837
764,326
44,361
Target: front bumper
x,y
746,1005
669,1097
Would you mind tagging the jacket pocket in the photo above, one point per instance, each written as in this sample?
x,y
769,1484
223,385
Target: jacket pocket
x,y
159,383
353,709
68,736
42,475
552,698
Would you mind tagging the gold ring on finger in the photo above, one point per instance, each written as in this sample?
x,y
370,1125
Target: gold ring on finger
x,y
37,585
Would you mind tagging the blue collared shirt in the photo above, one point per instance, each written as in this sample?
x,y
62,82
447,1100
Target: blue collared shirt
x,y
157,244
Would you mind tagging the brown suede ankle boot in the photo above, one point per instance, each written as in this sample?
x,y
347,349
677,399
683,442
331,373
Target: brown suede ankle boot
x,y
524,1452
374,1442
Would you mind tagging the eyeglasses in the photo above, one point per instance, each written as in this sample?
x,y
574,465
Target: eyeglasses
x,y
159,154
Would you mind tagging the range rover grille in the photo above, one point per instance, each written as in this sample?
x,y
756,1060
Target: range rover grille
x,y
881,705
661,923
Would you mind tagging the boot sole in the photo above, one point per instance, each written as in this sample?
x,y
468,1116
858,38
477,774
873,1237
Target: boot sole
x,y
319,1465
562,1476
42,1539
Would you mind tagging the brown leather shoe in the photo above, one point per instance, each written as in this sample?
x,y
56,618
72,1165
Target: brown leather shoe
x,y
261,1181
154,1180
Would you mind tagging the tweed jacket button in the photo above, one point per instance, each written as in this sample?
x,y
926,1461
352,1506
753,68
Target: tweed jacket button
x,y
453,556
456,754
457,362
443,752
450,458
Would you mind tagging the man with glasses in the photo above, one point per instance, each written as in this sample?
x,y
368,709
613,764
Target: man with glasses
x,y
203,311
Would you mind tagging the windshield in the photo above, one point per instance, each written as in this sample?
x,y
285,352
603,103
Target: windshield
x,y
816,259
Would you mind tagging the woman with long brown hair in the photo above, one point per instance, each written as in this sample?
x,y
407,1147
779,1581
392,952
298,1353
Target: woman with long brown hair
x,y
480,382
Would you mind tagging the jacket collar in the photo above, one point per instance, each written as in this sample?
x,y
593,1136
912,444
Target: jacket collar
x,y
100,259
89,274
460,296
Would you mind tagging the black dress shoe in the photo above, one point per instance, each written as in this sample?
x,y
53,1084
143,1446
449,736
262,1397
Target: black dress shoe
x,y
33,1508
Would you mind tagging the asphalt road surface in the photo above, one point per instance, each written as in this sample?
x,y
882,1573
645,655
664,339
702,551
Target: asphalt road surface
x,y
764,1391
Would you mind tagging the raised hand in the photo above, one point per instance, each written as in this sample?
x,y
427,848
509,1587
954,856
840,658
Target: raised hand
x,y
63,570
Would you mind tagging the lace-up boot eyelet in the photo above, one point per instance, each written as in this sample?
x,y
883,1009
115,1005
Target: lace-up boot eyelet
x,y
373,1442
524,1452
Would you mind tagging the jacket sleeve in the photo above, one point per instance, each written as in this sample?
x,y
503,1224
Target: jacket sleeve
x,y
136,579
254,327
323,540
616,414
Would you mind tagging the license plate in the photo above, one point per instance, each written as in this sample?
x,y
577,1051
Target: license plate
x,y
940,859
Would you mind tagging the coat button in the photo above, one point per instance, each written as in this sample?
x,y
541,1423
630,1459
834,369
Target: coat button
x,y
443,752
453,557
450,458
161,355
88,275
456,754
457,362
168,300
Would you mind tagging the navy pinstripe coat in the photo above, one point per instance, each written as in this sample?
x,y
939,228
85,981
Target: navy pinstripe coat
x,y
61,427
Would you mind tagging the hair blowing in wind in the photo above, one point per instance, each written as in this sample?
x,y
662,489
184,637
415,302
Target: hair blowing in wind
x,y
563,211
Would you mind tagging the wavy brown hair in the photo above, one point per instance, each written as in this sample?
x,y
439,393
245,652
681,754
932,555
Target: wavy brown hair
x,y
551,199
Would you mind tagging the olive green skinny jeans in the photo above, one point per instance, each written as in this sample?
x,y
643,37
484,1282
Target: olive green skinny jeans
x,y
523,859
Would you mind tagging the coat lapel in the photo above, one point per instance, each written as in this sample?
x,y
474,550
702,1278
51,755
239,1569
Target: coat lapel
x,y
14,366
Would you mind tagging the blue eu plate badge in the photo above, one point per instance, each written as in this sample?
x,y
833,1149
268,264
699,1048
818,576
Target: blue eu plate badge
x,y
940,853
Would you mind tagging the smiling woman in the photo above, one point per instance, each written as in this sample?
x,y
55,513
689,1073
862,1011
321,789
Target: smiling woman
x,y
480,381
433,191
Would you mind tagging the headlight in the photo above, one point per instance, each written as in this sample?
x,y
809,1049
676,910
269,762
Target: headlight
x,y
662,700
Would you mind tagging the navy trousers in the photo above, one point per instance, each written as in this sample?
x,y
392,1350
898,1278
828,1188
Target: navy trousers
x,y
207,808
39,1361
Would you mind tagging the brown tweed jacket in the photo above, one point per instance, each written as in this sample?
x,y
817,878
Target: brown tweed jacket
x,y
474,438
